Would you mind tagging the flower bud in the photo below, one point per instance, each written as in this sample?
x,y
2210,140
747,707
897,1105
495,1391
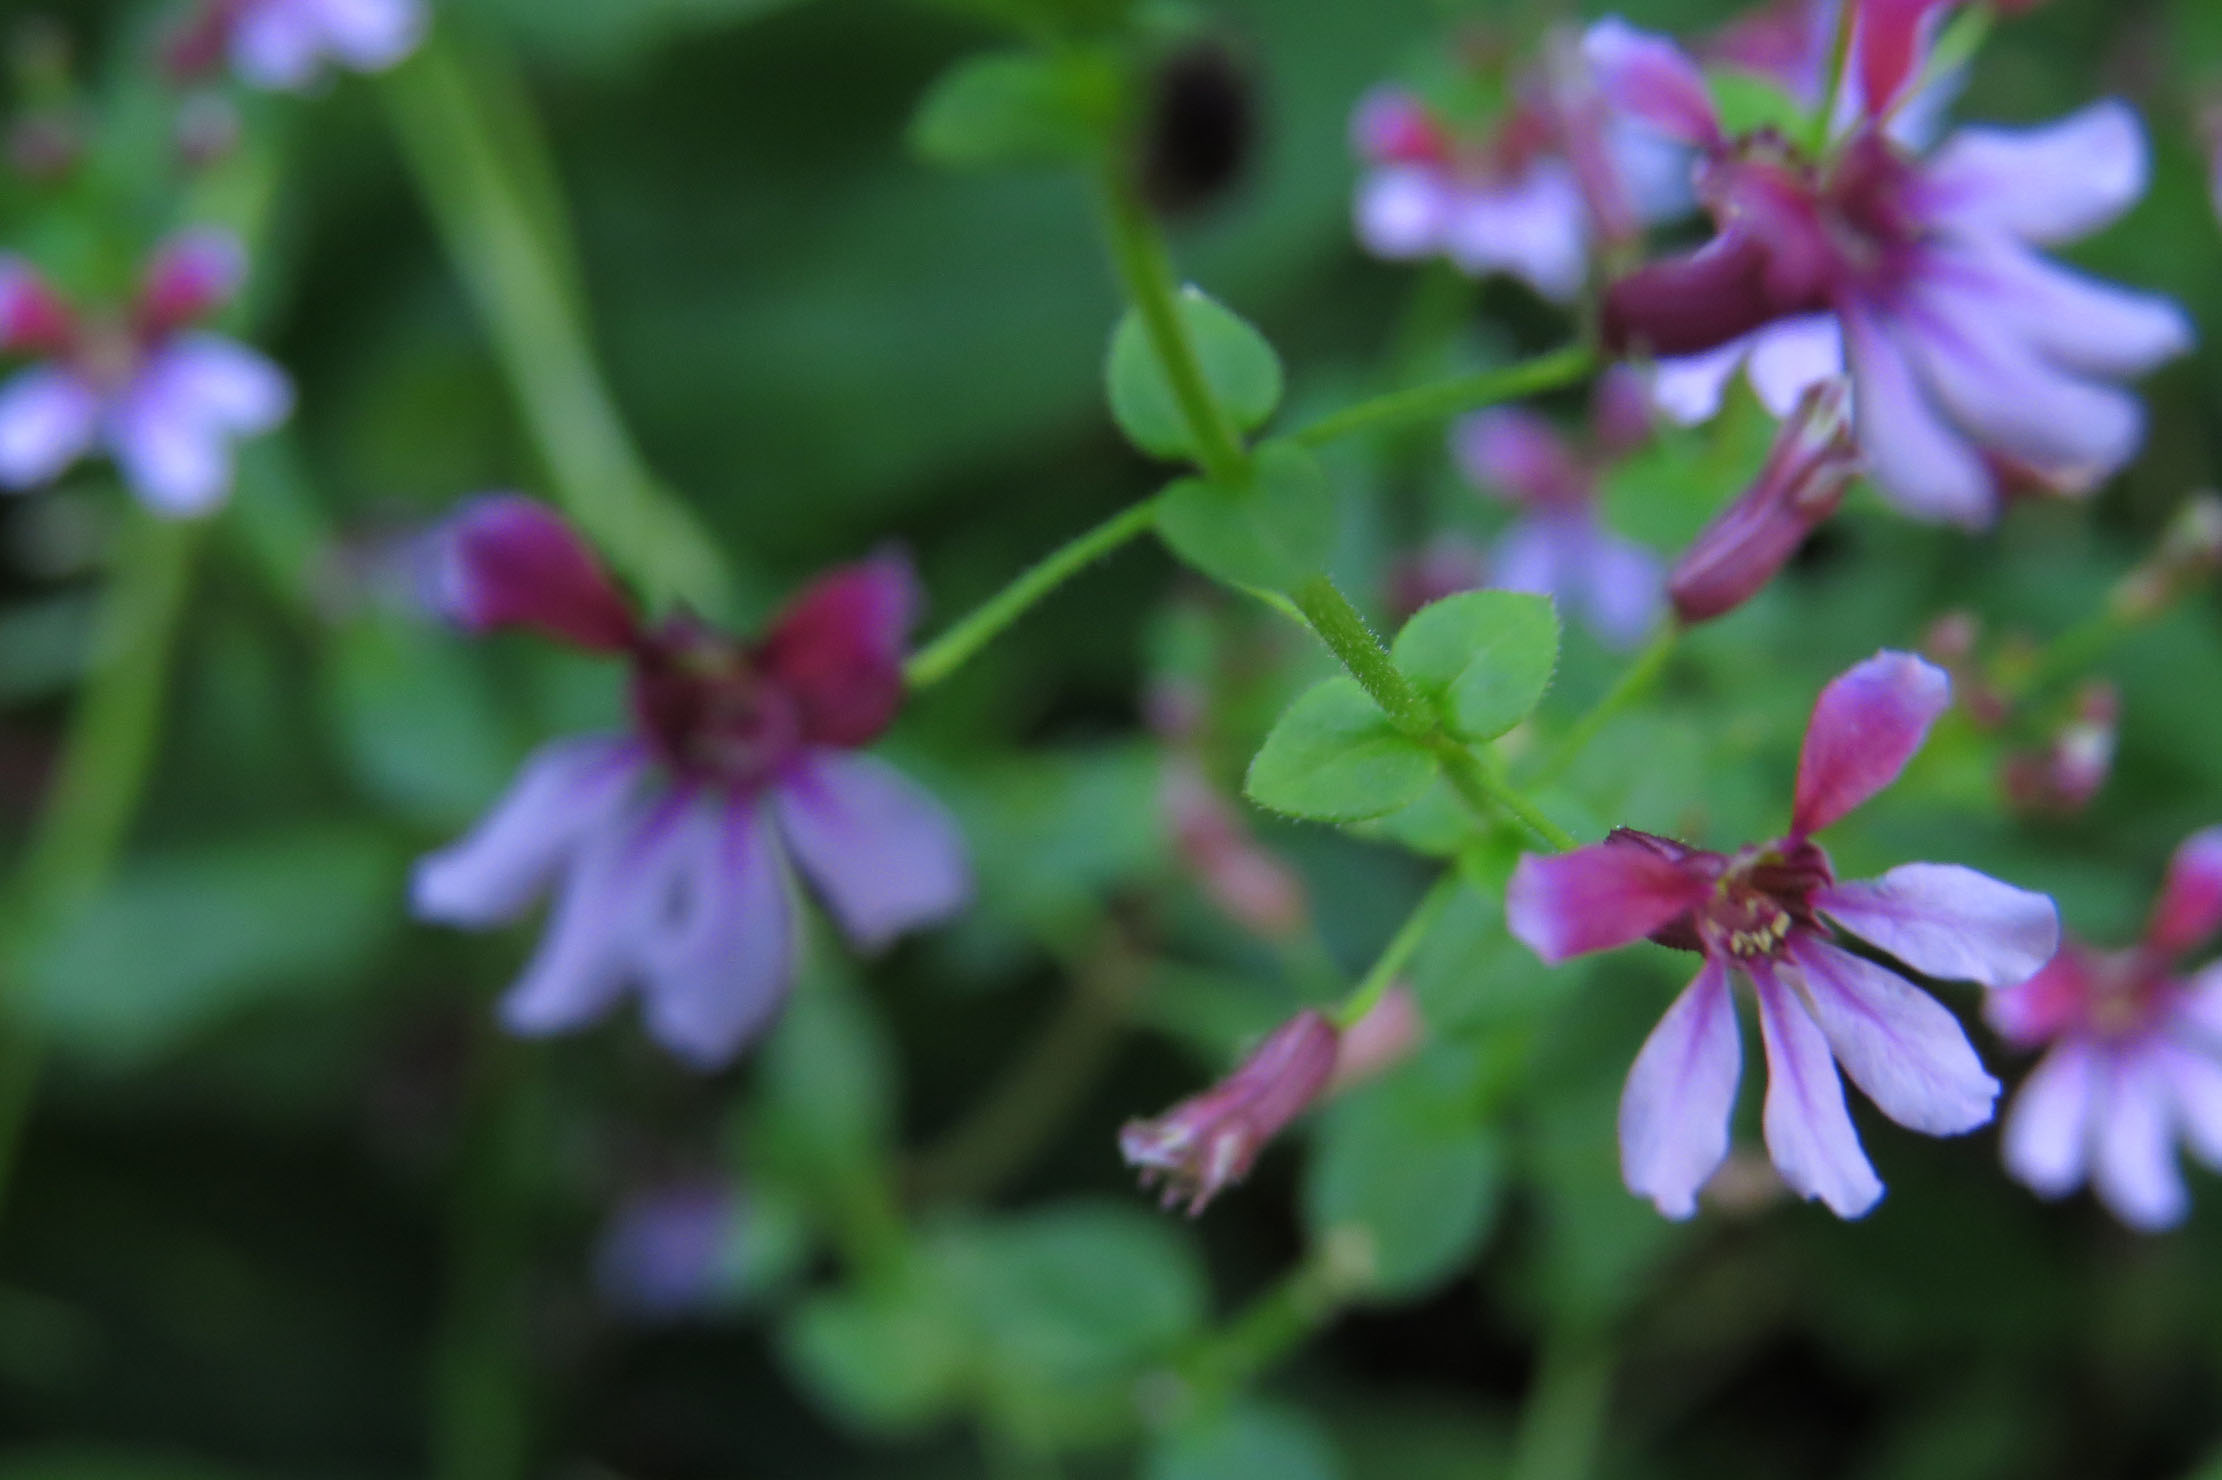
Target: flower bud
x,y
1203,1144
33,318
193,274
1385,1037
1249,885
1801,484
2190,549
506,561
1200,128
2067,773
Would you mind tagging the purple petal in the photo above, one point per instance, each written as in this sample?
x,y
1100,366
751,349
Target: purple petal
x,y
2199,1009
1623,589
1650,77
2195,1080
719,956
2134,1161
193,273
619,879
2076,321
503,560
885,856
2047,1141
1674,1112
170,431
1402,212
492,875
1793,356
837,649
277,45
661,1255
1896,1042
1595,898
1867,724
2056,183
1809,1132
2048,1004
48,420
2190,907
224,382
1950,922
1508,450
371,35
1689,389
1918,461
1535,228
1539,556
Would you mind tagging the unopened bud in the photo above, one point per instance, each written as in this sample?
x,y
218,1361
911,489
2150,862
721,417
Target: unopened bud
x,y
1385,1037
2067,774
1205,1144
1802,483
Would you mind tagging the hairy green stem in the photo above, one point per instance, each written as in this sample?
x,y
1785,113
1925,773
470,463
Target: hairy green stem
x,y
1397,954
1486,793
1344,630
1634,682
106,757
946,653
482,169
1146,270
1443,398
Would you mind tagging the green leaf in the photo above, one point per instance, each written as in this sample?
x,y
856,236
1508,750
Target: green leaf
x,y
826,1085
1334,757
1249,1442
1017,108
176,943
1240,366
1406,1164
887,1359
1271,534
1748,102
414,720
1484,657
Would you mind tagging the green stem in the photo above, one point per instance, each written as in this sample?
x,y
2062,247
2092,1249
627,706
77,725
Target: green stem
x,y
1443,398
1398,952
1487,793
483,173
1566,1411
1145,268
1274,1324
106,757
946,653
2075,650
1345,632
1634,682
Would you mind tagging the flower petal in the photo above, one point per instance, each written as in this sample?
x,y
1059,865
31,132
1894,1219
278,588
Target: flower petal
x,y
48,420
1674,1112
492,875
2078,322
1896,1042
2049,1003
177,461
1809,1132
371,35
1890,48
1535,228
1918,461
2134,1165
1689,389
1595,898
1651,78
1950,922
1866,725
2195,1080
2055,183
1540,556
1506,450
1402,212
2047,1141
224,383
719,960
1790,357
885,856
276,46
1624,586
838,649
2190,907
503,560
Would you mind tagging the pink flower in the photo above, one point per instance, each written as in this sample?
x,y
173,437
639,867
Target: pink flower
x,y
2135,1056
1204,1144
163,399
1559,547
1775,915
1980,367
284,45
667,848
1558,171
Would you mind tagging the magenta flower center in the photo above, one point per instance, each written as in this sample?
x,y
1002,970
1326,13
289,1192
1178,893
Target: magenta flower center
x,y
712,714
1758,897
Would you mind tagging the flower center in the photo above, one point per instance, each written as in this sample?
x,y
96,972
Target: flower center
x,y
107,354
1761,896
710,713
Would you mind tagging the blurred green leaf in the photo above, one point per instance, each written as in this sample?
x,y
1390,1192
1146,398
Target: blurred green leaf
x,y
1253,1441
1334,757
888,1358
1238,362
1018,108
1272,533
600,34
826,1087
414,720
1484,657
1748,102
178,942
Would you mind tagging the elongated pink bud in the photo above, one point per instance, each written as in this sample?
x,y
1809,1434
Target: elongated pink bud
x,y
505,560
1205,1144
1801,484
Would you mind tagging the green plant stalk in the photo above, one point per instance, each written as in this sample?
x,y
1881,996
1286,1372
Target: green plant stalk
x,y
1397,954
1146,271
1344,630
1484,792
1271,1326
1634,682
489,188
1566,1411
106,757
1443,398
948,652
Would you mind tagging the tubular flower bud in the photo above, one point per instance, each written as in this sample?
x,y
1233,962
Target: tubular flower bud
x,y
1205,1144
1801,484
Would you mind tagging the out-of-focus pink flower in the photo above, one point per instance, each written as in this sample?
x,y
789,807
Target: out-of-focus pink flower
x,y
1444,566
1203,1145
285,45
1801,484
668,848
1559,547
2067,773
2134,1060
1248,884
1980,368
1774,914
165,400
666,1250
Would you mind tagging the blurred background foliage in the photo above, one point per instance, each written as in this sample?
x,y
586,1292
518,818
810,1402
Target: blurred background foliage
x,y
288,1206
